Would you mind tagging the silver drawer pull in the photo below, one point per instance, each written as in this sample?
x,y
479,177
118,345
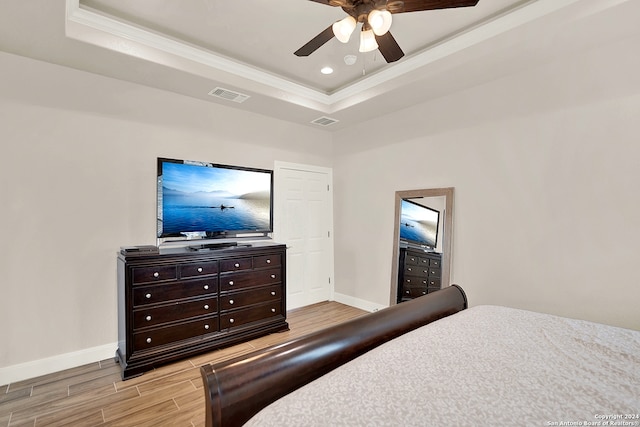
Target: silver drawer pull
x,y
199,269
424,293
148,318
148,296
273,276
206,287
156,274
206,306
231,320
206,326
236,265
273,293
268,261
409,269
408,280
230,282
273,310
148,340
231,301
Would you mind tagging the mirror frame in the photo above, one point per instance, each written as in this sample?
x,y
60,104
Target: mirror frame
x,y
447,231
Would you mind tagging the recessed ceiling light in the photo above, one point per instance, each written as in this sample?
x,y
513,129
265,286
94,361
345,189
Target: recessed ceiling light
x,y
326,70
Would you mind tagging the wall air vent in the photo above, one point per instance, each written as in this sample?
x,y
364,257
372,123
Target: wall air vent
x,y
229,95
324,121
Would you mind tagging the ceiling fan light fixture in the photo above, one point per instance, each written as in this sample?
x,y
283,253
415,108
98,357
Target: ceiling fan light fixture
x,y
367,41
380,21
343,28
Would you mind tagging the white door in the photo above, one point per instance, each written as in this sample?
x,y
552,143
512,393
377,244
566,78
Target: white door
x,y
302,221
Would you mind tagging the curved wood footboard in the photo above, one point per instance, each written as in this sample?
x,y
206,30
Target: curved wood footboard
x,y
237,389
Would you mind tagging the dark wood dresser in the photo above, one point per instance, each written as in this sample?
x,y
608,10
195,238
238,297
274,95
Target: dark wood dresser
x,y
181,302
419,273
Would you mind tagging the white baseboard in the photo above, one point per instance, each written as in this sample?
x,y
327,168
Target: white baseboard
x,y
36,368
357,302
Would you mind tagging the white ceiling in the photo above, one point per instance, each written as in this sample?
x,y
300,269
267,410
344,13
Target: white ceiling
x,y
193,46
233,29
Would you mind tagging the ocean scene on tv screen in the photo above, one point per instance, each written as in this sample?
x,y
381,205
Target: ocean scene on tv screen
x,y
418,224
198,198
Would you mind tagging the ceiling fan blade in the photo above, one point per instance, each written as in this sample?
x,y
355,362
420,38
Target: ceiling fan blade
x,y
389,48
336,3
313,44
418,5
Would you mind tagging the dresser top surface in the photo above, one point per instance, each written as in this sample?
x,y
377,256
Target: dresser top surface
x,y
193,250
420,252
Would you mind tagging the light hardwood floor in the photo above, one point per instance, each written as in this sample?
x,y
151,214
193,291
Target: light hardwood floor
x,y
172,395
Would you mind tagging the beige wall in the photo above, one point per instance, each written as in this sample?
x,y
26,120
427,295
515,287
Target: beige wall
x,y
545,166
78,155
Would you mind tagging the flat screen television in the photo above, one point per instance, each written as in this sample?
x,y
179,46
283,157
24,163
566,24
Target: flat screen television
x,y
419,225
207,200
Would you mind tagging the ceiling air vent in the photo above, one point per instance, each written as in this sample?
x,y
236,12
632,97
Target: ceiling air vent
x,y
324,121
229,95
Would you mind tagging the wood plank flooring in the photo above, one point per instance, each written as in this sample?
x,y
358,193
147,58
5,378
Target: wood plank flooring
x,y
171,395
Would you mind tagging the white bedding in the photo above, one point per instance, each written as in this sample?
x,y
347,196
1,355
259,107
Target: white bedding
x,y
487,365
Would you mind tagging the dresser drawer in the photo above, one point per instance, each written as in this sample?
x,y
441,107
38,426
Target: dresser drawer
x,y
415,281
414,291
154,274
422,272
434,282
434,263
155,294
272,260
434,272
144,340
236,264
152,316
411,260
423,262
198,269
415,270
232,281
236,300
255,313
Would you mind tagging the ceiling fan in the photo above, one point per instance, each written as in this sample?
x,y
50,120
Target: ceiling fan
x,y
375,17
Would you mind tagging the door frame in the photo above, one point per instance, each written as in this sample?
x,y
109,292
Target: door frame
x,y
278,207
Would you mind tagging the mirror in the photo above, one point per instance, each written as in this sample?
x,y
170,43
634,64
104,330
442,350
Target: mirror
x,y
440,199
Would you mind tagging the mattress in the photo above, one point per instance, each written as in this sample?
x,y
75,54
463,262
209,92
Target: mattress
x,y
487,365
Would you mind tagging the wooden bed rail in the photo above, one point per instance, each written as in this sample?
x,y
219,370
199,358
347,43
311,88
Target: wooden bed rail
x,y
237,389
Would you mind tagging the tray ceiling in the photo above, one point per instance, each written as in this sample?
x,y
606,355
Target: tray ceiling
x,y
195,47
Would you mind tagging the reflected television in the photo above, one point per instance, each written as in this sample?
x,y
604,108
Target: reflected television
x,y
207,200
419,225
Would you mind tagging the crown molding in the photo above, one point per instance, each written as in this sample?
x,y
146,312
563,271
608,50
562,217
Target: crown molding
x,y
92,27
105,31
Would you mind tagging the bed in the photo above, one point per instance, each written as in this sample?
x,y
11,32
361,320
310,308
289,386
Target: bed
x,y
434,361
